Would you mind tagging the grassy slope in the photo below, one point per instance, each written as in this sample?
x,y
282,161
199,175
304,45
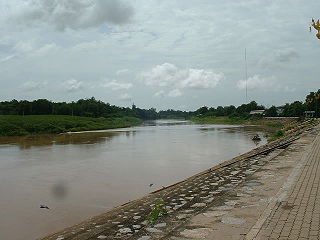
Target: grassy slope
x,y
218,120
34,124
237,120
278,127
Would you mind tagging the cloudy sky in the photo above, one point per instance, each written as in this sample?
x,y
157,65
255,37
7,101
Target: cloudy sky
x,y
179,54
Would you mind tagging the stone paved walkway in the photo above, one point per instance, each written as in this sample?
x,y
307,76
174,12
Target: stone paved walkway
x,y
298,215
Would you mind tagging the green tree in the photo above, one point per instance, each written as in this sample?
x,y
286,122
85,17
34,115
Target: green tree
x,y
271,112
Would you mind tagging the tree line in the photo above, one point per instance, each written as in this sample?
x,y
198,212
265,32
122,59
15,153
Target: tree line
x,y
83,107
95,108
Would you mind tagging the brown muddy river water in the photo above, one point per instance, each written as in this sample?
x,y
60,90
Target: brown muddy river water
x,y
84,174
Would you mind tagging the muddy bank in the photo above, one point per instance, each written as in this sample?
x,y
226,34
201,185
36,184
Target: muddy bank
x,y
183,200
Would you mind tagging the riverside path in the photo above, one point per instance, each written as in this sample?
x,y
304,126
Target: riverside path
x,y
298,215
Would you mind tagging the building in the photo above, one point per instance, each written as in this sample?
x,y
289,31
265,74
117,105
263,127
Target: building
x,y
309,114
257,112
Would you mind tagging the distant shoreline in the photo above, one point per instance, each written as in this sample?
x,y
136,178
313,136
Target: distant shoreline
x,y
15,125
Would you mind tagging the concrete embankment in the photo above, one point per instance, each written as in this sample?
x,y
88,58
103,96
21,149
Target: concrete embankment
x,y
223,202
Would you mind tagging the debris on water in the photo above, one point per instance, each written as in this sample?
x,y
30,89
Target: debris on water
x,y
256,138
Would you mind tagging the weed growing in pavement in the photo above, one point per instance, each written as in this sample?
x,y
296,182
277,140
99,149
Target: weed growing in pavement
x,y
157,211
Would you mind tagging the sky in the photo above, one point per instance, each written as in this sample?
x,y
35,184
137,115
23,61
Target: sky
x,y
177,54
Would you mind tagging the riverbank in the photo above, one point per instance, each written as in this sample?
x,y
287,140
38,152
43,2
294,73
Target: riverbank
x,y
279,127
275,122
184,200
14,125
218,120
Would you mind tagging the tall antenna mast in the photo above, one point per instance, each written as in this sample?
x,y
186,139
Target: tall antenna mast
x,y
245,59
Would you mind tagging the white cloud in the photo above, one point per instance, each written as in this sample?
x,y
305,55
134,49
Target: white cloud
x,y
125,97
257,82
122,71
161,75
73,85
46,49
289,89
264,84
160,93
75,14
167,74
175,93
200,78
23,47
115,85
172,93
7,58
33,85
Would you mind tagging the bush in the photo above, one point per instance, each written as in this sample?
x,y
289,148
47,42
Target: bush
x,y
279,133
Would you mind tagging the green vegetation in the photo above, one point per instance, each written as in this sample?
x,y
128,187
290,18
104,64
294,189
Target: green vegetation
x,y
218,120
288,128
36,124
273,124
157,211
278,134
83,107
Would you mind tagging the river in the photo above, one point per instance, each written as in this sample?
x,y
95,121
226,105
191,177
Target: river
x,y
80,175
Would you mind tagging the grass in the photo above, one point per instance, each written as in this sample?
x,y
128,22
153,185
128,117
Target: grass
x,y
273,124
13,125
219,120
278,134
236,120
157,211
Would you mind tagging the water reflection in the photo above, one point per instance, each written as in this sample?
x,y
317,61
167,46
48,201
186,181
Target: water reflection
x,y
167,122
27,142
